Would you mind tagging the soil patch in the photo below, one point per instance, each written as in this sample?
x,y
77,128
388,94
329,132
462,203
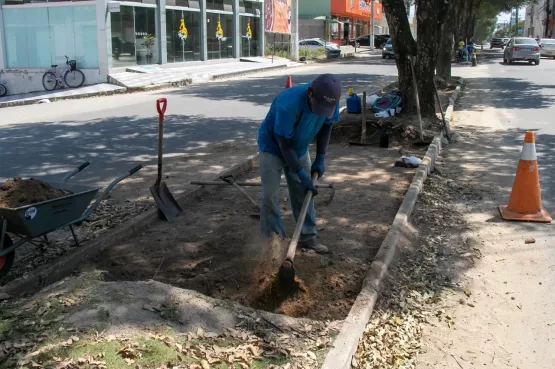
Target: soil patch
x,y
214,247
130,198
19,192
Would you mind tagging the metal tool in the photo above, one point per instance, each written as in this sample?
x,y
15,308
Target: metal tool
x,y
412,60
445,127
331,186
229,179
286,273
33,221
167,204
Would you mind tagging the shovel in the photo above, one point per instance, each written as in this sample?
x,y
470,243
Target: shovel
x,y
286,273
167,204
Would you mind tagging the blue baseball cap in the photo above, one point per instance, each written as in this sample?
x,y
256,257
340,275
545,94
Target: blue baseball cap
x,y
326,92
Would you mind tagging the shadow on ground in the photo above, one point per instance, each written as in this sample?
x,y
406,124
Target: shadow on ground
x,y
262,90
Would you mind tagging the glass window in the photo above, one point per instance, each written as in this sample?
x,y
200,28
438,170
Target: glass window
x,y
249,40
183,40
123,37
226,5
145,31
219,38
39,37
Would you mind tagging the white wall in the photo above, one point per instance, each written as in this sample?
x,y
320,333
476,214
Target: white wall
x,y
22,81
533,20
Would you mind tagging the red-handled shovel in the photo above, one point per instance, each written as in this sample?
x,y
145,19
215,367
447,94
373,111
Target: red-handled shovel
x,y
167,204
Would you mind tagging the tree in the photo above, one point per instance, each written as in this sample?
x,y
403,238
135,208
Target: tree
x,y
430,16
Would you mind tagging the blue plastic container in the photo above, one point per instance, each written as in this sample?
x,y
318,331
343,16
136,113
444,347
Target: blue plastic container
x,y
354,104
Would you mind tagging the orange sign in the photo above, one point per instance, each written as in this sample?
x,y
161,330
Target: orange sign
x,y
277,16
356,8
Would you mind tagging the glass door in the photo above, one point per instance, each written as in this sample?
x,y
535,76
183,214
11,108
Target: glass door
x,y
145,36
123,37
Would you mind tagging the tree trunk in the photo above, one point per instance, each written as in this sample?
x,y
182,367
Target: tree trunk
x,y
446,45
403,47
431,16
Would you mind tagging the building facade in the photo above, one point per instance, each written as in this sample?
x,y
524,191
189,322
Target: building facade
x,y
539,20
103,35
339,20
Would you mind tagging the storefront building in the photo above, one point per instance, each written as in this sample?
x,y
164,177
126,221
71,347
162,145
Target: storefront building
x,y
102,35
354,19
346,19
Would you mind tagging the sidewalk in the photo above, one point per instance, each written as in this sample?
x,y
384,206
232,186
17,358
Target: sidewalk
x,y
501,310
154,77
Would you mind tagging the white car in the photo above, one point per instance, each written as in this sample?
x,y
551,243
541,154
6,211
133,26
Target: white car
x,y
522,49
547,47
332,50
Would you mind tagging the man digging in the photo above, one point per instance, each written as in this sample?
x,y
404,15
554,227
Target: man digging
x,y
296,117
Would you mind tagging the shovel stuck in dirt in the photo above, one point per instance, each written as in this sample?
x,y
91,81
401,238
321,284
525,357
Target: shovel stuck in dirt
x,y
286,273
167,204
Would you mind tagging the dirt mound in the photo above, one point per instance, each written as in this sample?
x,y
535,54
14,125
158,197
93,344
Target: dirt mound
x,y
20,192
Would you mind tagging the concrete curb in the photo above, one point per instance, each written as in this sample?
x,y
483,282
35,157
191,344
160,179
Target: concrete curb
x,y
7,104
450,108
346,342
126,90
244,73
63,266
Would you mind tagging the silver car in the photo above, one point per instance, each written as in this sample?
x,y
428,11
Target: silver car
x,y
522,48
547,47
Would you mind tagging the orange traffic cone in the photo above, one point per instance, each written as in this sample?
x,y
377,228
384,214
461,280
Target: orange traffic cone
x,y
525,203
288,82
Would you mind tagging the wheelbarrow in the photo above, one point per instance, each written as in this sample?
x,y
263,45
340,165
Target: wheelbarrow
x,y
30,222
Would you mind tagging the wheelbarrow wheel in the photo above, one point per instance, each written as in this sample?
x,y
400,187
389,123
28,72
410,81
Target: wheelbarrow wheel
x,y
6,261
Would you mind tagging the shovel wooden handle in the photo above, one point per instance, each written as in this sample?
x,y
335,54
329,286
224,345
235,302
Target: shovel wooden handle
x,y
161,105
300,221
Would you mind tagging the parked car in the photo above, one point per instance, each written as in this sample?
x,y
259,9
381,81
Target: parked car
x,y
364,40
387,51
547,47
497,43
332,50
522,49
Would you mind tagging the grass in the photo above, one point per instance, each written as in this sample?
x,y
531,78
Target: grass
x,y
308,54
153,354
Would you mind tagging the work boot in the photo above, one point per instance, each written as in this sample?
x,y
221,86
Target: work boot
x,y
314,244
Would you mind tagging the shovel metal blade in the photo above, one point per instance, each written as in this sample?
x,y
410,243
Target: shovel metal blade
x,y
167,204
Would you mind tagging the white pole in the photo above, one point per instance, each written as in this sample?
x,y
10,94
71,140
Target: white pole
x,y
295,30
372,25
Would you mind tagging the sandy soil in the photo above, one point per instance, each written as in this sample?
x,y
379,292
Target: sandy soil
x,y
214,248
20,192
131,197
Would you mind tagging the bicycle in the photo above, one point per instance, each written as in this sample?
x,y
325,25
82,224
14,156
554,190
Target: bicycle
x,y
72,76
3,90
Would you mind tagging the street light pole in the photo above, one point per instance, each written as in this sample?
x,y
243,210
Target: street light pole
x,y
295,30
372,25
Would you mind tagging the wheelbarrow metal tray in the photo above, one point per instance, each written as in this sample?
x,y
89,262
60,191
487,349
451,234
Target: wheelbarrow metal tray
x,y
37,219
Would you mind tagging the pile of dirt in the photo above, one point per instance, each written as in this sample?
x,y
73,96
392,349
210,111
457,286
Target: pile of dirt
x,y
214,247
20,192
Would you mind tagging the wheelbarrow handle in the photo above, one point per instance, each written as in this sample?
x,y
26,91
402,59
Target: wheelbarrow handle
x,y
136,169
75,171
105,192
84,165
161,105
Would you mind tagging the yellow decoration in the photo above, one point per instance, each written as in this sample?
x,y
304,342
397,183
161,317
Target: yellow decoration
x,y
249,32
219,31
183,33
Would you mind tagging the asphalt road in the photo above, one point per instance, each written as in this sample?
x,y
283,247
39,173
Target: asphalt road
x,y
515,98
117,132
